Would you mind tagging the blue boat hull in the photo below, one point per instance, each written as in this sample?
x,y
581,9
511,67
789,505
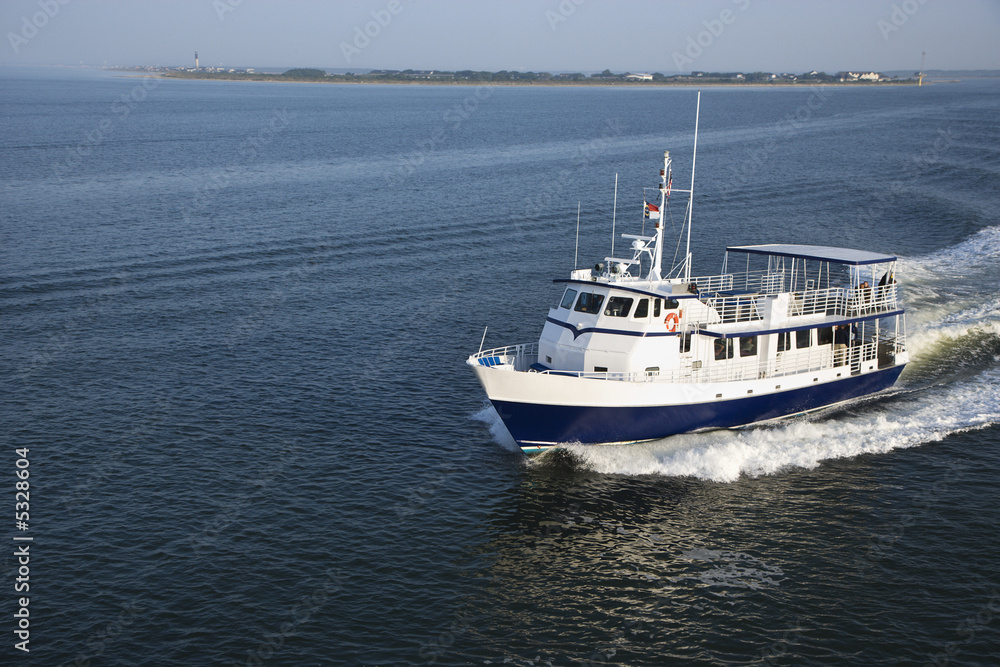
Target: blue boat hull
x,y
535,426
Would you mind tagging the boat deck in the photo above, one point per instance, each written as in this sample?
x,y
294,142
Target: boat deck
x,y
878,354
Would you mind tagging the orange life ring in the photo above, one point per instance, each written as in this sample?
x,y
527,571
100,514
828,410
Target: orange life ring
x,y
671,322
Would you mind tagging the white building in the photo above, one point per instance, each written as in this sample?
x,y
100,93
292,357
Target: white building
x,y
864,76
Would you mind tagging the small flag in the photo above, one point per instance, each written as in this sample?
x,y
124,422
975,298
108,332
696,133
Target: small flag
x,y
651,211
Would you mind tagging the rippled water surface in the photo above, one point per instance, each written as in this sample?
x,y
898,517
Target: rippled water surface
x,y
234,325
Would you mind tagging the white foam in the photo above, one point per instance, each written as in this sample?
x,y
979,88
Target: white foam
x,y
952,293
981,251
949,325
726,455
501,436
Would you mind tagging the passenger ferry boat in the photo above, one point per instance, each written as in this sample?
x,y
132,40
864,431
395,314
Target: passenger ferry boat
x,y
631,353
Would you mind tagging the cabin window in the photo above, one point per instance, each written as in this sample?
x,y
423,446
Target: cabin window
x,y
686,342
824,335
568,298
618,306
723,348
641,309
589,303
600,369
670,304
802,339
748,346
656,307
784,341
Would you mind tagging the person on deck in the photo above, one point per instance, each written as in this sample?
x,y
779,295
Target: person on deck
x,y
841,339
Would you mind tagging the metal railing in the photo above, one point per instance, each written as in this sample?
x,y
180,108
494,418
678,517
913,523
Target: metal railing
x,y
719,283
520,356
735,308
843,302
751,282
869,300
792,362
823,301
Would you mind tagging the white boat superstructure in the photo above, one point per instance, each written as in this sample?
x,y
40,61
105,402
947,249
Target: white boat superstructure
x,y
631,353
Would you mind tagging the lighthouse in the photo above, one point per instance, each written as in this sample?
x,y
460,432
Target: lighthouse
x,y
196,60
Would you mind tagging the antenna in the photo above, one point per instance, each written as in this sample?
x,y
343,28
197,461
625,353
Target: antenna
x,y
687,252
576,252
614,213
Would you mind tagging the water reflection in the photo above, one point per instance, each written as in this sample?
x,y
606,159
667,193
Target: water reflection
x,y
605,568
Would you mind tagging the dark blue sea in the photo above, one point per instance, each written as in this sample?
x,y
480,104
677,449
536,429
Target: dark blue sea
x,y
234,319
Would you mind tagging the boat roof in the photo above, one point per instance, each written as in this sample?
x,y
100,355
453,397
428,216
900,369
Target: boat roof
x,y
822,253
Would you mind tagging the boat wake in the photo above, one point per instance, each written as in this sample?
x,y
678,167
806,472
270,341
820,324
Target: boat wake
x,y
952,385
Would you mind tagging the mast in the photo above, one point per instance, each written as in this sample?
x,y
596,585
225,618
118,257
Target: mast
x,y
687,252
614,214
654,270
576,252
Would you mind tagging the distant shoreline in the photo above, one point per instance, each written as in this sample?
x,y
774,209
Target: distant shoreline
x,y
370,80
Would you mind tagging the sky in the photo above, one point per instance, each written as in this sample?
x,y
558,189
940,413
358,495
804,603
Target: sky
x,y
530,35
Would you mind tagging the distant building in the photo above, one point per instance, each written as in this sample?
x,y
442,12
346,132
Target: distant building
x,y
639,77
863,76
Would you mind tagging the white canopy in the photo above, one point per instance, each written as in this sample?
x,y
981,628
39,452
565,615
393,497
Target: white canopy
x,y
818,252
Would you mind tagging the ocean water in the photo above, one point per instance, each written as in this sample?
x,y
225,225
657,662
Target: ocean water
x,y
234,325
